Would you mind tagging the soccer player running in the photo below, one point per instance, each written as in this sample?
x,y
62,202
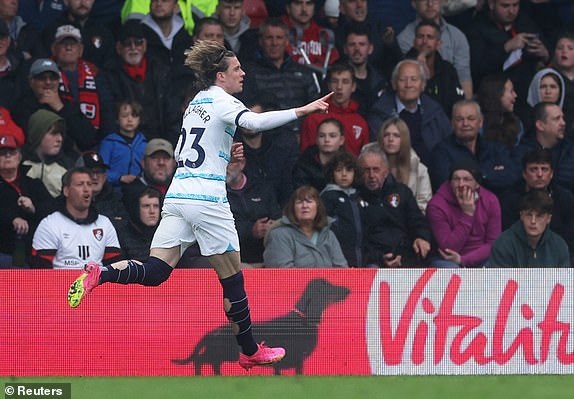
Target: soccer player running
x,y
196,207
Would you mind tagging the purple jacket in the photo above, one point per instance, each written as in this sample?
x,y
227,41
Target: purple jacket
x,y
470,236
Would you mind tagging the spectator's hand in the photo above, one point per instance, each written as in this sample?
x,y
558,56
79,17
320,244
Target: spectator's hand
x,y
319,105
26,204
519,41
236,152
421,247
388,36
391,260
536,48
466,198
261,227
51,98
450,255
20,226
127,179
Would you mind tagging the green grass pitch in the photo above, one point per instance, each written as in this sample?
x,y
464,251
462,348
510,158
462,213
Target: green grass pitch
x,y
344,387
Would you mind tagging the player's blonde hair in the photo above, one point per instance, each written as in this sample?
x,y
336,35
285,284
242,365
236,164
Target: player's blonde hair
x,y
205,58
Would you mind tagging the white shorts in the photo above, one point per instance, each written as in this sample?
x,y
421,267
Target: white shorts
x,y
211,225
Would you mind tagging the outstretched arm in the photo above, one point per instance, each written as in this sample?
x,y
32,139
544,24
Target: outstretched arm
x,y
272,119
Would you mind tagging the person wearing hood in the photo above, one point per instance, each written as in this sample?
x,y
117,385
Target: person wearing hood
x,y
547,85
529,242
165,33
234,21
342,204
303,238
136,232
43,154
464,217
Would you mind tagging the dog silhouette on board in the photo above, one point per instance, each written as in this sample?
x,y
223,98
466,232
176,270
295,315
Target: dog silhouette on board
x,y
296,331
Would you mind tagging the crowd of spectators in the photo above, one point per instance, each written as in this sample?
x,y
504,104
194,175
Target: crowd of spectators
x,y
448,125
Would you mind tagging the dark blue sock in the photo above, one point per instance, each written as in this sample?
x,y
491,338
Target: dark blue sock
x,y
152,273
237,311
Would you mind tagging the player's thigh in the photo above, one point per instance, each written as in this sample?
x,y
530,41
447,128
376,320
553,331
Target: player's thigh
x,y
214,229
173,230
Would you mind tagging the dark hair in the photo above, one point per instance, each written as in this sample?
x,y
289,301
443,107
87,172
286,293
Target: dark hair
x,y
302,193
541,110
428,22
499,125
67,177
565,34
136,107
540,155
340,66
274,22
359,29
335,122
346,160
205,21
537,201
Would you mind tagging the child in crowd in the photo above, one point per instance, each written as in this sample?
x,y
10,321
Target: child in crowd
x,y
341,201
123,152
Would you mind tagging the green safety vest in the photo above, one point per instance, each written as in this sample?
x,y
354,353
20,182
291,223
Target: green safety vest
x,y
201,8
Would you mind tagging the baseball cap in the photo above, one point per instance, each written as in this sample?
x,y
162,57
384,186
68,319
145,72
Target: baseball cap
x,y
131,28
8,142
92,160
42,65
65,31
155,145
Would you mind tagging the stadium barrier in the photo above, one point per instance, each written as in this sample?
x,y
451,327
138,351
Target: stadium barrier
x,y
332,322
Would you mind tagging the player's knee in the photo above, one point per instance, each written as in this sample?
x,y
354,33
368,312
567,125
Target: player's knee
x,y
157,271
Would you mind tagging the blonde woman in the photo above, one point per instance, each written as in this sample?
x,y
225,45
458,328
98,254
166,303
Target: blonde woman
x,y
404,163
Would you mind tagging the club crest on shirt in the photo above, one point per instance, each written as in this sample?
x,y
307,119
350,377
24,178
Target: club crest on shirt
x,y
394,200
98,234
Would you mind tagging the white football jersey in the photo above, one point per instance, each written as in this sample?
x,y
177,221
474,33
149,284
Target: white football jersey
x,y
75,244
204,146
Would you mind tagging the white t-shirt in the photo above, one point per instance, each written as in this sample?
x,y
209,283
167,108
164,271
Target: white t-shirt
x,y
75,244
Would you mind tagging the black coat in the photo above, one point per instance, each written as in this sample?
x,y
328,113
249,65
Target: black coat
x,y
42,200
392,221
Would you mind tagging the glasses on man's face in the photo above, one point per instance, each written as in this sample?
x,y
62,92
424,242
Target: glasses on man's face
x,y
8,152
428,1
132,42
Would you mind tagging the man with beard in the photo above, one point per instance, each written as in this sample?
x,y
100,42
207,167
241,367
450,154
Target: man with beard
x,y
135,76
75,233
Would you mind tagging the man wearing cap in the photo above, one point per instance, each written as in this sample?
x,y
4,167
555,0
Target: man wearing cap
x,y
106,200
497,168
158,168
80,80
24,202
97,38
133,75
464,218
44,78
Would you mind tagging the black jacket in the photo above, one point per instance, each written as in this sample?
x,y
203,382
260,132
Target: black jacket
x,y
255,201
343,207
392,221
161,110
